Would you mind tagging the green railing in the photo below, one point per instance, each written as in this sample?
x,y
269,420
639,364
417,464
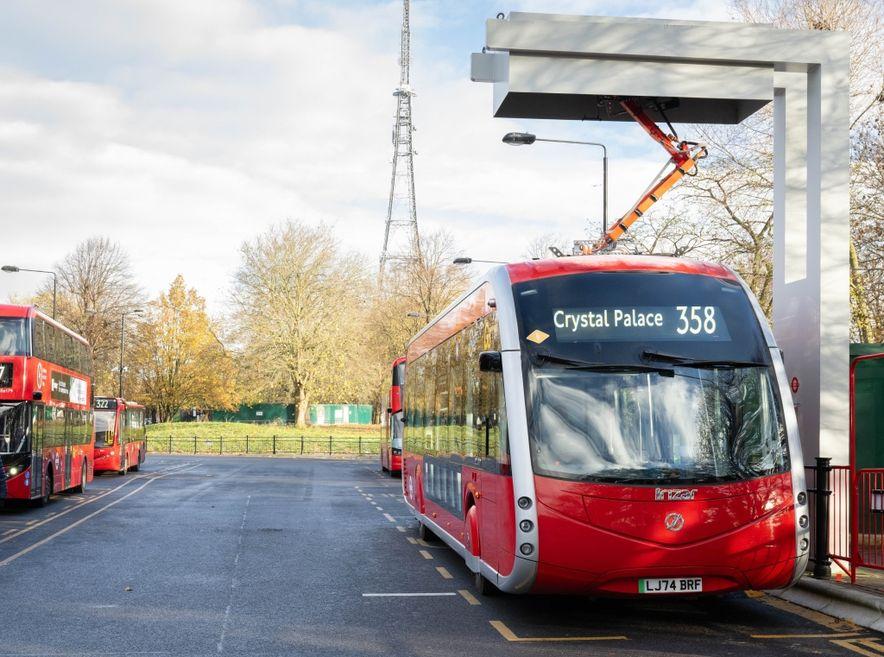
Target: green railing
x,y
307,445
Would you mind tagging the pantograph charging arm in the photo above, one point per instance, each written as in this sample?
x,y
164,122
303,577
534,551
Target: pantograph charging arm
x,y
684,156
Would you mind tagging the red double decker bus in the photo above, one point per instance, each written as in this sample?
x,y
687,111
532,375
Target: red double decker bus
x,y
46,437
607,425
120,435
391,441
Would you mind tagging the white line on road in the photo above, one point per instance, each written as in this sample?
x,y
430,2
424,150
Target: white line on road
x,y
389,517
242,526
407,595
34,546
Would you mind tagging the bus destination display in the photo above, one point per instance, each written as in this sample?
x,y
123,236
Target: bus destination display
x,y
626,323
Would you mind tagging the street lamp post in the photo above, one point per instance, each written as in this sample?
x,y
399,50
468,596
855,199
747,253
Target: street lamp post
x,y
526,139
137,311
12,269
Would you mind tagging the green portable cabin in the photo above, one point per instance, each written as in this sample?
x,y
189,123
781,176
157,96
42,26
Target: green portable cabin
x,y
869,417
328,414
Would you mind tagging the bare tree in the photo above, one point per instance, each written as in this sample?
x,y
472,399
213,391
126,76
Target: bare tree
x,y
300,306
95,286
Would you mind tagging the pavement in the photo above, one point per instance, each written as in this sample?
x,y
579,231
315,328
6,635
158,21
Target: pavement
x,y
199,556
861,603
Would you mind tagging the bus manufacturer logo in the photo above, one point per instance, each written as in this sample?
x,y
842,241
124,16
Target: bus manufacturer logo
x,y
675,494
673,522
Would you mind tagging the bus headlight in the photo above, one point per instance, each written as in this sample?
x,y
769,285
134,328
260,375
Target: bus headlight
x,y
524,502
804,543
526,549
526,525
802,497
802,522
13,471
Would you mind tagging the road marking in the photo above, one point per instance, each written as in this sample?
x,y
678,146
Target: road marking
x,y
408,595
469,597
34,546
34,524
378,508
425,554
816,635
224,624
871,647
389,517
444,572
509,635
9,531
830,623
400,528
412,540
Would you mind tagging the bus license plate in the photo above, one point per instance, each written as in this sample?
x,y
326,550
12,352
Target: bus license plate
x,y
671,585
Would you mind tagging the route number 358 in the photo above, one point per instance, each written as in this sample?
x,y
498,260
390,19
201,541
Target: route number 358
x,y
696,320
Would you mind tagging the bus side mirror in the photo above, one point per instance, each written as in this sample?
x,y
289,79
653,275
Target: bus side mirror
x,y
490,361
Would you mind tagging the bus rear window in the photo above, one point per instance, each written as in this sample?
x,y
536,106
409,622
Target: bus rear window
x,y
13,336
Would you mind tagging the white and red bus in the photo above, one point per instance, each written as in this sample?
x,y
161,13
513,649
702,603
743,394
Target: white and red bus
x,y
46,436
120,435
391,441
607,425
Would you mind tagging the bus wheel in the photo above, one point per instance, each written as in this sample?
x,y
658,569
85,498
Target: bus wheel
x,y
425,533
483,586
43,500
82,487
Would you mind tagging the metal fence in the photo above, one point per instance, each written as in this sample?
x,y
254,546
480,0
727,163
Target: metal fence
x,y
307,445
829,496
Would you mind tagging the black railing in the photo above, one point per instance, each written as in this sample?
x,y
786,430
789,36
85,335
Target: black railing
x,y
288,445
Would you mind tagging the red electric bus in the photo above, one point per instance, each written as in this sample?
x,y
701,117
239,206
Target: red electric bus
x,y
607,425
391,442
120,435
46,437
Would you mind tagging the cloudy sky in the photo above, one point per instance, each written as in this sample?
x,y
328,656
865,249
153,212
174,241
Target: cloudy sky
x,y
181,128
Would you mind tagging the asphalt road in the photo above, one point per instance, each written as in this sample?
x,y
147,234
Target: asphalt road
x,y
261,556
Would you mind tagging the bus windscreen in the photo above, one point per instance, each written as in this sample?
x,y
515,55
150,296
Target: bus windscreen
x,y
638,377
13,336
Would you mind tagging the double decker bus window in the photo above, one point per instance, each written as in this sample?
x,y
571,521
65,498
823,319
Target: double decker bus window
x,y
14,434
13,336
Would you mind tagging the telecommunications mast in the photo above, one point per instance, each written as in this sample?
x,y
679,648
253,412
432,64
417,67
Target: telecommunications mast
x,y
400,232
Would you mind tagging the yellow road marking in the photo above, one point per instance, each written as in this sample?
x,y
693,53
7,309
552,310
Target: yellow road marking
x,y
830,623
469,597
817,635
34,546
425,554
444,572
509,635
871,647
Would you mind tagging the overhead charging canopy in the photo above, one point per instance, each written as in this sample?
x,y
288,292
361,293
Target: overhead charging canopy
x,y
549,66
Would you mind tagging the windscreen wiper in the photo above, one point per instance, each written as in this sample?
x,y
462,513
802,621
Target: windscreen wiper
x,y
698,362
576,364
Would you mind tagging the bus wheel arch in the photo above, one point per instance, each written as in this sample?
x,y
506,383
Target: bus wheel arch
x,y
471,533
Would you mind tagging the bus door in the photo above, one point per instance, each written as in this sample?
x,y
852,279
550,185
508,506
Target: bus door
x,y
37,415
123,424
69,432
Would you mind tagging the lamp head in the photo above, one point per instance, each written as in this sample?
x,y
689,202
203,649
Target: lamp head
x,y
519,138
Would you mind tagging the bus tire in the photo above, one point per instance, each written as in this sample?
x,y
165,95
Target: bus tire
x,y
426,534
83,472
43,500
483,586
